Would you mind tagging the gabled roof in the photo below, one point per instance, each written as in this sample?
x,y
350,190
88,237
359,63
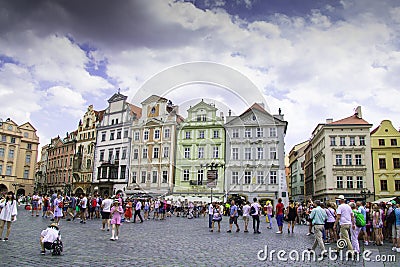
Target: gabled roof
x,y
352,120
255,106
202,104
99,115
154,98
136,110
28,124
117,97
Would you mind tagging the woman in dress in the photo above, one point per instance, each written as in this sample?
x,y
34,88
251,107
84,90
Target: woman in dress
x,y
8,213
217,217
58,208
116,213
291,213
377,224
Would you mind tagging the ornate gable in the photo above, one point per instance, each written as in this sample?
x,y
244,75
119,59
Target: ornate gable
x,y
117,97
154,99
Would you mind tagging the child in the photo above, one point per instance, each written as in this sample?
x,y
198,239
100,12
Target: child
x,y
128,212
116,213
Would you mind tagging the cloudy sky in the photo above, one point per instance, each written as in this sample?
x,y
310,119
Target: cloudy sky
x,y
313,59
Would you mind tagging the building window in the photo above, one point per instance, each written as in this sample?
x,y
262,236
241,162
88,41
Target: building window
x,y
358,159
342,141
164,177
155,177
123,153
134,177
201,152
135,153
247,153
110,154
260,132
136,136
167,133
393,142
1,169
144,153
1,152
362,141
260,153
333,141
339,182
146,135
155,152
384,186
272,132
186,175
396,163
352,141
348,160
360,182
272,177
200,176
143,177
272,153
28,159
235,133
216,134
235,153
112,135
382,163
247,177
198,117
381,142
216,152
187,135
8,170
157,134
12,140
187,152
4,138
339,161
166,152
119,134
247,133
123,172
11,153
26,174
235,178
349,181
201,134
126,132
101,155
117,154
260,177
397,185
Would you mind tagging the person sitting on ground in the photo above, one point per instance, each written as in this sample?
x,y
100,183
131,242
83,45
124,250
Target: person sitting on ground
x,y
48,236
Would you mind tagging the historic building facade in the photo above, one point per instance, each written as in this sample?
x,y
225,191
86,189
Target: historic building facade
x,y
41,171
18,156
255,155
153,147
113,144
296,163
85,147
385,145
201,153
342,161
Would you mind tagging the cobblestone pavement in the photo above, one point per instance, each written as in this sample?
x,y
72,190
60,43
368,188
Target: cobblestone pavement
x,y
173,242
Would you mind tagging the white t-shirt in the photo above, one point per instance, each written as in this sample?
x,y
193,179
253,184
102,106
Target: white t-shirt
x,y
345,214
49,234
210,209
138,205
246,210
107,204
84,203
257,207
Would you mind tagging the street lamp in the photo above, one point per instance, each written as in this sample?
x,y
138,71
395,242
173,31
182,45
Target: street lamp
x,y
365,193
212,175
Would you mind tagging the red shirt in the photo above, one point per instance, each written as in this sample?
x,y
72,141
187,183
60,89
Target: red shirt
x,y
279,209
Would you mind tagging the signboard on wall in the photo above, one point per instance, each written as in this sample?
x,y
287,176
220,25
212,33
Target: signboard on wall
x,y
212,177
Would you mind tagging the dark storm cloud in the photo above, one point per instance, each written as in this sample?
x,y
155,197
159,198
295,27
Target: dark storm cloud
x,y
113,24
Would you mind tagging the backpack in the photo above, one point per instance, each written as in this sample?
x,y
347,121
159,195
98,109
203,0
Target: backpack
x,y
252,210
360,220
391,218
61,204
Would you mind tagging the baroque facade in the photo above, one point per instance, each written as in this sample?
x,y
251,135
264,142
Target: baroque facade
x,y
296,163
255,164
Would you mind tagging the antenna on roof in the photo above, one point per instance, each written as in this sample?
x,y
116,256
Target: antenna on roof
x,y
119,90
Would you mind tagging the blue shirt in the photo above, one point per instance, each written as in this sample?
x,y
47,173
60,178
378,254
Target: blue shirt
x,y
318,215
363,212
233,209
397,213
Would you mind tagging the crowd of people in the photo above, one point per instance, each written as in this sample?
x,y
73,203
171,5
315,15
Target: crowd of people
x,y
328,222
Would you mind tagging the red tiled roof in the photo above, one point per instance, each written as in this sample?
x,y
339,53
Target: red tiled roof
x,y
374,130
99,114
350,120
136,110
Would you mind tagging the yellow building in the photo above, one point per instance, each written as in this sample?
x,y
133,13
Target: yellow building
x,y
385,145
18,155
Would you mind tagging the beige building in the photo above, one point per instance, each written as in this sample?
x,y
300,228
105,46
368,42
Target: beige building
x,y
18,156
41,171
341,155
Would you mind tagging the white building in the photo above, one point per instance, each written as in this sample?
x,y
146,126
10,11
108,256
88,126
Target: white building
x,y
255,155
111,159
153,147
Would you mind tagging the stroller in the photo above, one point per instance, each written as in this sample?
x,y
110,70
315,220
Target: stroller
x,y
57,247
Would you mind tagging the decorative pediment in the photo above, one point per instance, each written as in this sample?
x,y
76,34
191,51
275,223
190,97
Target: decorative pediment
x,y
154,99
382,176
27,127
153,122
202,105
117,97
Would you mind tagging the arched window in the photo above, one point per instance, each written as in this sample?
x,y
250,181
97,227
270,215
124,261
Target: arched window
x,y
88,164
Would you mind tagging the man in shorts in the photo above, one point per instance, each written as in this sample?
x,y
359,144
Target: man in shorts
x,y
233,212
105,212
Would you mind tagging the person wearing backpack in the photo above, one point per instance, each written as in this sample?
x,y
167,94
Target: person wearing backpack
x,y
255,211
354,232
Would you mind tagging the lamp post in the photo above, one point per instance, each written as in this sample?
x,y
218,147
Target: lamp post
x,y
365,193
15,188
212,175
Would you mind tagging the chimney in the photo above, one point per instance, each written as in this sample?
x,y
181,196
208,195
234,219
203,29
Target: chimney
x,y
329,121
358,112
221,114
230,113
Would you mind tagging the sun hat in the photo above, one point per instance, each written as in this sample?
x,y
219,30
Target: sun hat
x,y
341,197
